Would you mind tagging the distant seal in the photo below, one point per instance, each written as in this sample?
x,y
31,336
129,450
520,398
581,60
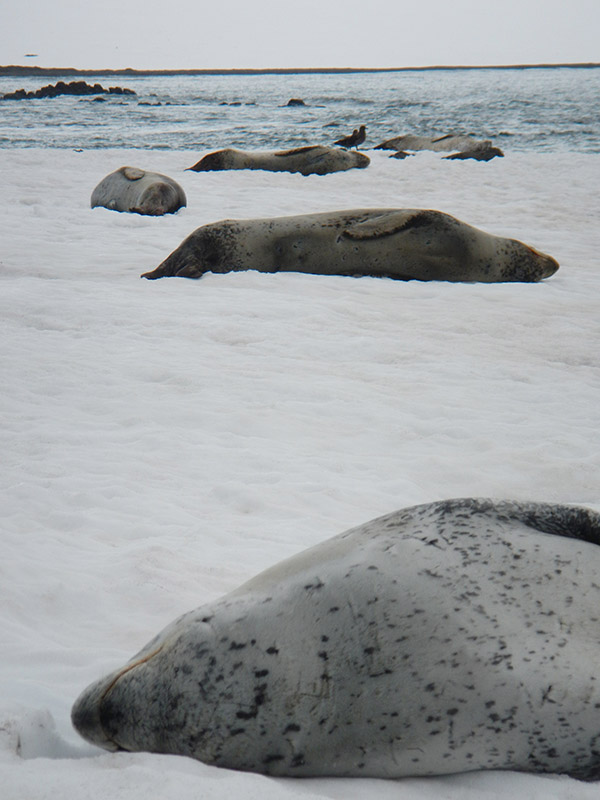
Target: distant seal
x,y
448,637
140,192
482,151
404,244
446,143
356,137
311,160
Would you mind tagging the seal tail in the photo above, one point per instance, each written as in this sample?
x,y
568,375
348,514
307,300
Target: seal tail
x,y
174,266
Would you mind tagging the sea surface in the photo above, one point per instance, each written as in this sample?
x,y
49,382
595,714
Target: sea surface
x,y
543,109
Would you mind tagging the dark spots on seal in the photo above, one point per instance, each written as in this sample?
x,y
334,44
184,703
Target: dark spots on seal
x,y
272,651
323,655
261,673
237,731
292,728
430,687
237,645
298,760
333,609
247,714
318,585
260,694
270,759
324,638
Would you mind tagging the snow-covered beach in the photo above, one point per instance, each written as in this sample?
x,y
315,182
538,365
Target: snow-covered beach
x,y
164,441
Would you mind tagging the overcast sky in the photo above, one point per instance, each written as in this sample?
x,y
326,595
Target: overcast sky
x,y
204,34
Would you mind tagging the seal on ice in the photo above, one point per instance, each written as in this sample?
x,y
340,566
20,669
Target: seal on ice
x,y
140,192
448,637
404,244
309,160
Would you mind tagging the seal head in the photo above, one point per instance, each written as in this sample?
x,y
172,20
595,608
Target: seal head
x,y
448,637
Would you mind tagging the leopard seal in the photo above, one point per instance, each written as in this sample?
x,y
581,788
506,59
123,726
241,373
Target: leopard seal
x,y
404,244
309,160
447,637
140,192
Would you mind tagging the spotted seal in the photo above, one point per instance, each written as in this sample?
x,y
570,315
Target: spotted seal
x,y
309,160
403,244
453,636
140,192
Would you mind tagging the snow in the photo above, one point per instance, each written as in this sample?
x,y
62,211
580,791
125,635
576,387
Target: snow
x,y
164,441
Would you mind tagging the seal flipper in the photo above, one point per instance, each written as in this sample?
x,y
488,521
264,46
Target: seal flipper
x,y
572,522
165,270
391,222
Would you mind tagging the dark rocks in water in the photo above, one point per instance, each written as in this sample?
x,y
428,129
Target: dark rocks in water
x,y
483,151
296,101
61,88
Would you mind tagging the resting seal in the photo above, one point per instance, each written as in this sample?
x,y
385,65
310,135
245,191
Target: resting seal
x,y
311,160
442,144
132,189
395,243
448,637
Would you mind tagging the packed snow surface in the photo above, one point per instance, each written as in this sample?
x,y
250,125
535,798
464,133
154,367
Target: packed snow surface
x,y
164,441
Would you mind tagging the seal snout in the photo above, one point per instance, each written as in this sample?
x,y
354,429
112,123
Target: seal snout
x,y
548,265
87,717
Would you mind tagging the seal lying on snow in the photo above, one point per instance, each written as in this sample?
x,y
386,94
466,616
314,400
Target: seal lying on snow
x,y
138,191
447,143
396,243
312,160
448,637
466,146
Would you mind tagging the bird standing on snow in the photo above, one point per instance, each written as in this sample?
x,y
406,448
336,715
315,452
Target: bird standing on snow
x,y
356,137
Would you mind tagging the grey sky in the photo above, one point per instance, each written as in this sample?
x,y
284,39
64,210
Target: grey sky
x,y
301,33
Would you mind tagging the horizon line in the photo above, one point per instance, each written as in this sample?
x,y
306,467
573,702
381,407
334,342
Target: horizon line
x,y
17,69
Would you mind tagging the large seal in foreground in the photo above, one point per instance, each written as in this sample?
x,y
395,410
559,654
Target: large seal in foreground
x,y
138,191
312,160
395,243
449,637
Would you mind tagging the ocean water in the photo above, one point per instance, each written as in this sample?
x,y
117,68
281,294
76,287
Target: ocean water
x,y
542,110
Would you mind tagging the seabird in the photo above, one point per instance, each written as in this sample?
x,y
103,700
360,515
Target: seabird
x,y
356,137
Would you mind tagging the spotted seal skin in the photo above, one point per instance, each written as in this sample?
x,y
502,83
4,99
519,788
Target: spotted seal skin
x,y
139,192
310,160
448,637
404,244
